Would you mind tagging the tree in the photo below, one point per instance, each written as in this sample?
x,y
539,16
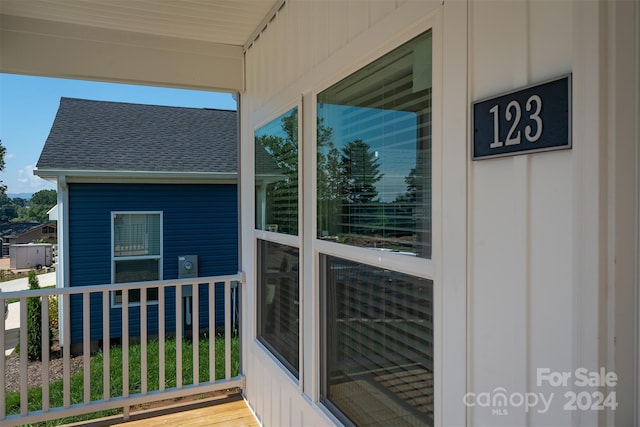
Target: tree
x,y
360,173
3,151
282,194
44,197
328,180
38,206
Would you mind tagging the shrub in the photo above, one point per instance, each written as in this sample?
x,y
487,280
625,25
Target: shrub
x,y
34,321
53,312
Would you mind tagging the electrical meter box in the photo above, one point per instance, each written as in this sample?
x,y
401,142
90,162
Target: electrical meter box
x,y
187,268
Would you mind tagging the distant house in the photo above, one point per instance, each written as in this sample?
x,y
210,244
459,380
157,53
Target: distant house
x,y
27,232
138,187
15,233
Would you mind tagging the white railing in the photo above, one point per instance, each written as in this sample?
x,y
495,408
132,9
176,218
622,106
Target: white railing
x,y
142,393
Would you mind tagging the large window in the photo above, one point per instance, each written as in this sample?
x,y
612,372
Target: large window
x,y
136,251
276,176
374,191
277,196
278,296
374,154
377,345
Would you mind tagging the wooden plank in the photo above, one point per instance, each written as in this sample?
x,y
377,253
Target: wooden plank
x,y
234,413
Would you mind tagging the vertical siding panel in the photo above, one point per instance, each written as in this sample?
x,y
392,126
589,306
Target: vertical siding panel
x,y
306,36
291,24
268,398
261,54
380,9
358,17
499,214
283,48
321,24
551,234
271,40
277,403
338,31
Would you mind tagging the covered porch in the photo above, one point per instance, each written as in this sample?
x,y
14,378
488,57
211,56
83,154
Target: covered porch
x,y
382,265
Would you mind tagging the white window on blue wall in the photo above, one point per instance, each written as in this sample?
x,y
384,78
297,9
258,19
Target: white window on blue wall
x,y
136,252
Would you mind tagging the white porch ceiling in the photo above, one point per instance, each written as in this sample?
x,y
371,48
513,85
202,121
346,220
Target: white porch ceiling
x,y
184,43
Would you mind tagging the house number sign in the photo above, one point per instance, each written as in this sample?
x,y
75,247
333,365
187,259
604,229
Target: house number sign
x,y
536,118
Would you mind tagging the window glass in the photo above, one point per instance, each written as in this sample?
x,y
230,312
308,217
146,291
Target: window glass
x,y
276,174
136,252
278,302
374,154
377,344
136,234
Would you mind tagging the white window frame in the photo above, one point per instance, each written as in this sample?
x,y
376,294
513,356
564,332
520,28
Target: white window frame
x,y
283,239
114,259
428,268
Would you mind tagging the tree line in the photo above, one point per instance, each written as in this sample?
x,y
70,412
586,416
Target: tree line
x,y
35,209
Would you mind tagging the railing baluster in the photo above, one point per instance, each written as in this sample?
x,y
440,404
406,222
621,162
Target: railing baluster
x,y
106,346
179,336
86,348
125,343
143,341
195,333
46,348
212,331
227,329
161,339
23,358
66,351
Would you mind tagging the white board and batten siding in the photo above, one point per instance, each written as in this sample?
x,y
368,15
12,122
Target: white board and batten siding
x,y
525,245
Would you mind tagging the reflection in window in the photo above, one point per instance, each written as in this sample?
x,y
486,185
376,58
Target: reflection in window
x,y
377,345
276,174
278,302
374,154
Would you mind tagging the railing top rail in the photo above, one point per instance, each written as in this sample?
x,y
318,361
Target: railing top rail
x,y
239,277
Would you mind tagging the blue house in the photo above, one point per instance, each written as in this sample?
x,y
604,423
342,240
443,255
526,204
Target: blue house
x,y
141,190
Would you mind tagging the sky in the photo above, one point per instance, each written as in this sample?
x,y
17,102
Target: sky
x,y
28,106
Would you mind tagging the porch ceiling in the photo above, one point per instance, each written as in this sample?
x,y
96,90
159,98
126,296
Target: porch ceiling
x,y
181,43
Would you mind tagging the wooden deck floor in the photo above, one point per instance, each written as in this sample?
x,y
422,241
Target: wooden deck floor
x,y
225,414
231,413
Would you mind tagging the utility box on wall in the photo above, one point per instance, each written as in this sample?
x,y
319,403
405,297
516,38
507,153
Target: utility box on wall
x,y
187,268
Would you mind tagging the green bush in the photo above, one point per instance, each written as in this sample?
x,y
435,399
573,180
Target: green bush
x,y
34,321
53,312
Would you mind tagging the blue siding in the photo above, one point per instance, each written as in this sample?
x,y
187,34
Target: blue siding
x,y
197,220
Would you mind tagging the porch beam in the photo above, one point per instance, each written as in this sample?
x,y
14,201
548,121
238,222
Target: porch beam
x,y
55,49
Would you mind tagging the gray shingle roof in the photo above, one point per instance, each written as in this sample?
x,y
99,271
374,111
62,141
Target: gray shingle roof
x,y
113,136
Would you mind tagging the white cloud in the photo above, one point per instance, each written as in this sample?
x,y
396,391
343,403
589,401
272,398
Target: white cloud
x,y
28,182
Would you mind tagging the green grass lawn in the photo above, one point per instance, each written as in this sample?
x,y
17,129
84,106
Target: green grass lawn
x,y
115,356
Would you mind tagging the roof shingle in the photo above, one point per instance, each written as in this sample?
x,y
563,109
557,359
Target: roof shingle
x,y
113,136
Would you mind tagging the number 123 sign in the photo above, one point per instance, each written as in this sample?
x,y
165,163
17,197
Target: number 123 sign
x,y
536,118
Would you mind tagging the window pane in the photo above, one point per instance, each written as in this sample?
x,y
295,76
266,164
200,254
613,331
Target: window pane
x,y
377,344
137,271
278,302
374,154
276,166
136,235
